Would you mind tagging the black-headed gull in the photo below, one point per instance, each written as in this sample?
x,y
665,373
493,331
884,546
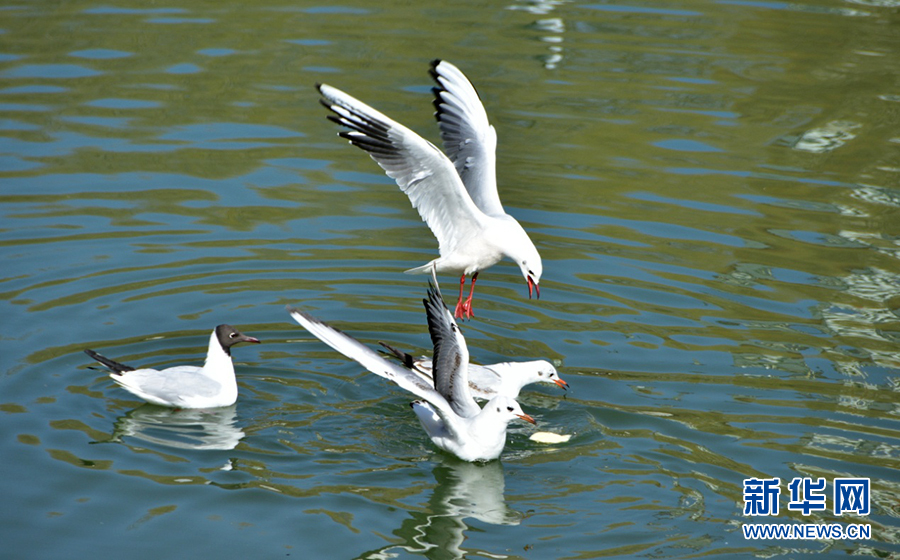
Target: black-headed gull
x,y
505,378
210,386
456,193
448,413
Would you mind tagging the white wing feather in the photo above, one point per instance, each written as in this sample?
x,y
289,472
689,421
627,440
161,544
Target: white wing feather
x,y
469,139
375,363
420,169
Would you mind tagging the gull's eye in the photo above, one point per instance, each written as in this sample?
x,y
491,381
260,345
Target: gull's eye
x,y
509,408
232,335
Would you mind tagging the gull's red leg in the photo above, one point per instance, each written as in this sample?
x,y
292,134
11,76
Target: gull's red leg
x,y
460,311
468,304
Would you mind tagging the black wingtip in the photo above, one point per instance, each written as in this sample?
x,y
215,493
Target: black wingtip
x,y
438,101
291,310
432,305
405,358
111,365
434,298
434,310
437,90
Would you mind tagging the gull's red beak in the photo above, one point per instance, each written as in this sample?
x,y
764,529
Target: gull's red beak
x,y
532,285
561,383
526,418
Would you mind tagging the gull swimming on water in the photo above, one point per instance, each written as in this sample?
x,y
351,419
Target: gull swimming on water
x,y
212,385
447,411
455,192
505,378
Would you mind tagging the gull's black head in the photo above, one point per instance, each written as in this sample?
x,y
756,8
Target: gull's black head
x,y
229,336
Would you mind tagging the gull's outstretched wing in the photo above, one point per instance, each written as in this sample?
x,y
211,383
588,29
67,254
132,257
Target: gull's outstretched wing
x,y
421,170
371,360
451,356
469,139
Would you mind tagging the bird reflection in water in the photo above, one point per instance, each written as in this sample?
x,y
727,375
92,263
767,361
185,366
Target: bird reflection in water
x,y
463,490
213,428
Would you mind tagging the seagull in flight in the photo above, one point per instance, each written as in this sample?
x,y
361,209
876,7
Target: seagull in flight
x,y
455,191
210,386
446,409
505,378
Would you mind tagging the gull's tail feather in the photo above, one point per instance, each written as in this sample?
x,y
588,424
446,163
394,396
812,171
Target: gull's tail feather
x,y
424,269
113,366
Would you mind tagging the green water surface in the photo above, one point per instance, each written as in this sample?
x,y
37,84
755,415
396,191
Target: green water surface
x,y
714,188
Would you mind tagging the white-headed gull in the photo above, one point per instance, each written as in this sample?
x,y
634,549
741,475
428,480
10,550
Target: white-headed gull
x,y
505,378
448,413
210,386
456,193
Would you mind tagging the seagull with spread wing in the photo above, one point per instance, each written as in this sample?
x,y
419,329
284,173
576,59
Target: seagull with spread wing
x,y
505,378
454,191
447,410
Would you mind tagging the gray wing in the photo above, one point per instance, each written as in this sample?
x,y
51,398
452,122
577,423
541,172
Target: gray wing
x,y
469,139
170,385
371,360
421,170
450,359
485,382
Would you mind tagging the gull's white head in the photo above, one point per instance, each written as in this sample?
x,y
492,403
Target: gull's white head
x,y
507,409
545,372
523,252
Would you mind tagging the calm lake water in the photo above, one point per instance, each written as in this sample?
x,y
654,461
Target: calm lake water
x,y
713,187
